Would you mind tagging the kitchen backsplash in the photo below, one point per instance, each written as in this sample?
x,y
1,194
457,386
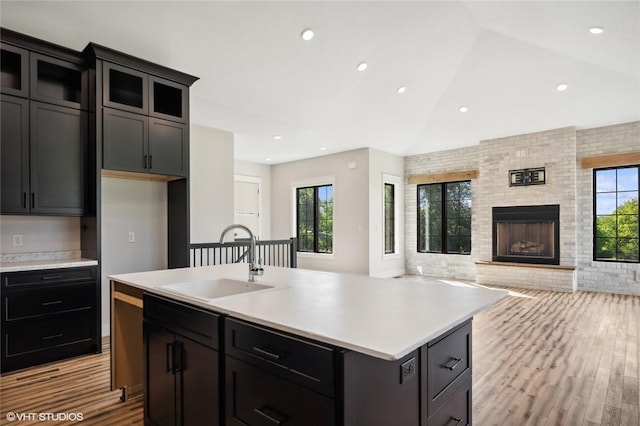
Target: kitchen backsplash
x,y
39,236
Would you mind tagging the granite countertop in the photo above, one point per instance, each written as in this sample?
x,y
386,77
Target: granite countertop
x,y
42,260
384,318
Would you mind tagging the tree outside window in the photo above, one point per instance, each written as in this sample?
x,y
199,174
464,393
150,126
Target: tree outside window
x,y
616,234
314,207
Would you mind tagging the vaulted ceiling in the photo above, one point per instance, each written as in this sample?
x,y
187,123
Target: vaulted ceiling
x,y
260,79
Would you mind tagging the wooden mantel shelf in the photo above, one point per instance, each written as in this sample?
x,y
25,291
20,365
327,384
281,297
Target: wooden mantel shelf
x,y
526,265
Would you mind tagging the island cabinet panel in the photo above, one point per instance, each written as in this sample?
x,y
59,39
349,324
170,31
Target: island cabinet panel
x,y
182,366
456,410
446,367
48,315
259,398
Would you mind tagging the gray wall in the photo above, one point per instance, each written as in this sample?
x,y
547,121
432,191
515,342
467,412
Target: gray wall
x,y
351,207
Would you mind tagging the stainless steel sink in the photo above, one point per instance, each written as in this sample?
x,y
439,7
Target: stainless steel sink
x,y
212,289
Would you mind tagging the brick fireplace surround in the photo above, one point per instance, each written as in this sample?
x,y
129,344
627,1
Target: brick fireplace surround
x,y
569,185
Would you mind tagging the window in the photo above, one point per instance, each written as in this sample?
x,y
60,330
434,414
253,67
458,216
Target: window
x,y
389,219
314,211
616,214
444,217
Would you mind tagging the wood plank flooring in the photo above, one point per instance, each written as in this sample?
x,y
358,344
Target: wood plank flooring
x,y
540,358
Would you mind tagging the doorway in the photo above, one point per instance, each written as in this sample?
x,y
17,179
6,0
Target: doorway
x,y
246,201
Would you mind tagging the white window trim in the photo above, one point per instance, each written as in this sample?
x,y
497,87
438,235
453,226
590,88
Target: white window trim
x,y
258,180
396,181
315,181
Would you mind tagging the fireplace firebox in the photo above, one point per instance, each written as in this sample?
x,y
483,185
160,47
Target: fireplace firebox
x,y
527,234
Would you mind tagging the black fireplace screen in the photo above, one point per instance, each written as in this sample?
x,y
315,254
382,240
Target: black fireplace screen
x,y
526,234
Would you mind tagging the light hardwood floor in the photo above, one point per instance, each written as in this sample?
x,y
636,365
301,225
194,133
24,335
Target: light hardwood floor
x,y
540,358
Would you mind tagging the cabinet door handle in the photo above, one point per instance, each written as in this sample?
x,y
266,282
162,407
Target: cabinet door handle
x,y
24,200
145,161
151,162
271,415
53,336
51,277
55,302
456,420
169,358
267,353
178,357
451,365
33,200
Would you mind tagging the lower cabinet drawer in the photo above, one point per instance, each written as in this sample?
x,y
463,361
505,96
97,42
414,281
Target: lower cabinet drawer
x,y
447,361
43,335
26,304
456,411
258,398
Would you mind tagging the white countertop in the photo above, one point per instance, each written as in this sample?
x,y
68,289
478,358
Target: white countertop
x,y
33,265
384,318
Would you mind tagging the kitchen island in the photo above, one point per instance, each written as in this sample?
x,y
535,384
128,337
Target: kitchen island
x,y
311,348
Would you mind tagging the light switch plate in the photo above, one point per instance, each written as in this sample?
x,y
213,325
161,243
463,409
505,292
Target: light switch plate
x,y
17,240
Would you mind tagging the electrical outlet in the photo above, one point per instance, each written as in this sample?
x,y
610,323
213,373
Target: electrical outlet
x,y
17,240
407,370
132,237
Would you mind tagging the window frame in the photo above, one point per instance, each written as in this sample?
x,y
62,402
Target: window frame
x,y
316,227
393,223
595,215
443,219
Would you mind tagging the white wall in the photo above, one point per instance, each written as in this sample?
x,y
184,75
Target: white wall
x,y
40,234
211,182
131,206
263,172
385,168
351,208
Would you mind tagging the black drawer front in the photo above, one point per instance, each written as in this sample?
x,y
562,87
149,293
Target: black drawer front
x,y
309,364
51,300
448,359
11,280
258,398
42,335
456,411
190,321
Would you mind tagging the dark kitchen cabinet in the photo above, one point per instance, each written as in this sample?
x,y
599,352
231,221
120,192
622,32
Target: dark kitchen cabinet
x,y
182,383
59,82
14,67
14,154
43,158
144,122
59,139
137,143
48,315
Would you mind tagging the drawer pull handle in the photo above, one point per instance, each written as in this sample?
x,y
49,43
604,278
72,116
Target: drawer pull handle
x,y
271,415
451,365
53,336
458,421
267,353
52,277
55,302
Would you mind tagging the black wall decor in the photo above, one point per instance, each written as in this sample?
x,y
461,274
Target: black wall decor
x,y
526,177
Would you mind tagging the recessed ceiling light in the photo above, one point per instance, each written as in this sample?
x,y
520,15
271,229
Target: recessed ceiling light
x,y
324,148
401,89
267,159
277,137
362,66
464,109
307,34
562,87
596,30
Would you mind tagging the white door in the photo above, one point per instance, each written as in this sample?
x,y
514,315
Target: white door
x,y
247,205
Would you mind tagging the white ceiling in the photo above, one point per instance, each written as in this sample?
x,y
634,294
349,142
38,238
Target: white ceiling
x,y
258,78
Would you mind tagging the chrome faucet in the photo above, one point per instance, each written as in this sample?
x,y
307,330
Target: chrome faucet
x,y
254,269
